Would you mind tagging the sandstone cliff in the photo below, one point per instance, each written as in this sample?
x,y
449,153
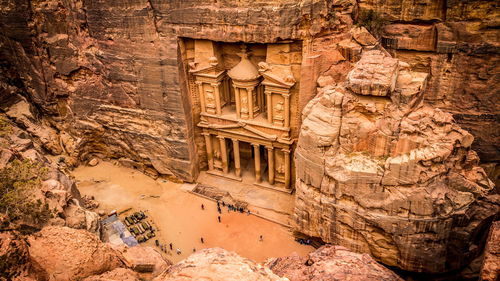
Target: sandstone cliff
x,y
380,172
110,76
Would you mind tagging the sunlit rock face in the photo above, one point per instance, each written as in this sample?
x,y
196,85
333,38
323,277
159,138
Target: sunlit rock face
x,y
331,263
380,172
217,264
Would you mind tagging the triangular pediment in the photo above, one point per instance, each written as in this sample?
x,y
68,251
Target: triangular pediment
x,y
244,129
212,71
270,78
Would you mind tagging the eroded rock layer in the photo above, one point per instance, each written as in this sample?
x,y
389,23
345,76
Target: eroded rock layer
x,y
331,263
380,172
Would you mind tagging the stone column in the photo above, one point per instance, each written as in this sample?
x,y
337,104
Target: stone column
x,y
202,96
269,108
210,156
238,102
250,103
270,159
287,110
256,152
217,98
223,153
286,154
236,149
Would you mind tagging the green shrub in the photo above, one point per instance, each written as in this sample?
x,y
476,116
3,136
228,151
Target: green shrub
x,y
372,21
18,183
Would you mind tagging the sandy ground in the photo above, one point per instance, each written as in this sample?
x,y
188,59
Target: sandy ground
x,y
178,216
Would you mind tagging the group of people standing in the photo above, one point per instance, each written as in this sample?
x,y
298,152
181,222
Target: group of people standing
x,y
220,205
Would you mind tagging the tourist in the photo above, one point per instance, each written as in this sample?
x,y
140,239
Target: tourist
x,y
218,217
194,250
218,205
219,210
202,241
248,212
171,246
178,251
202,207
261,238
223,204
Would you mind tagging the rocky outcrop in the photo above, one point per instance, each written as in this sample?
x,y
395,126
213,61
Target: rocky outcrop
x,y
117,274
331,263
217,264
144,260
25,137
491,263
390,176
68,254
457,42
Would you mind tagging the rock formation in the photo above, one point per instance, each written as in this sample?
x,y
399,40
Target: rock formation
x,y
491,262
331,263
379,172
217,264
144,260
69,254
117,274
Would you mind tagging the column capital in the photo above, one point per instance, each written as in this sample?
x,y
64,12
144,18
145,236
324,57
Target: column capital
x,y
286,95
255,144
206,134
250,89
269,147
285,150
198,82
220,137
268,92
215,84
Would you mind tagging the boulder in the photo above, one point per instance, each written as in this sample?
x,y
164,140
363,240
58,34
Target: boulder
x,y
375,74
217,264
331,263
67,254
144,259
117,274
78,217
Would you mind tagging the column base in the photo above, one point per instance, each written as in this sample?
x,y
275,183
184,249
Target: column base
x,y
223,175
274,187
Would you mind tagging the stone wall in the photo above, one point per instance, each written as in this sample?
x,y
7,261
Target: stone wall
x,y
109,73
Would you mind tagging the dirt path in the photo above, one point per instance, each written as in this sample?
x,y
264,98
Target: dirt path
x,y
179,218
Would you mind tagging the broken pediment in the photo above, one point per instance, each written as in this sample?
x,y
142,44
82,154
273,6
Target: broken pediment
x,y
277,75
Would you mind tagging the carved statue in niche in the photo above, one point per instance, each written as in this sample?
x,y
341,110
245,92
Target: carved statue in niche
x,y
278,113
279,110
281,168
210,98
244,104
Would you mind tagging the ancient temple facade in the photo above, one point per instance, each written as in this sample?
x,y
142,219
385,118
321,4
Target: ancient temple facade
x,y
245,94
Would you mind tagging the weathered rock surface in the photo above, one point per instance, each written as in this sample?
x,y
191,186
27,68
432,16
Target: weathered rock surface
x,y
217,264
117,274
15,262
68,254
144,259
390,176
491,264
331,263
457,42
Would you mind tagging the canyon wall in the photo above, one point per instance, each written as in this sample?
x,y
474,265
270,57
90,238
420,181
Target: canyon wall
x,y
109,74
381,172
